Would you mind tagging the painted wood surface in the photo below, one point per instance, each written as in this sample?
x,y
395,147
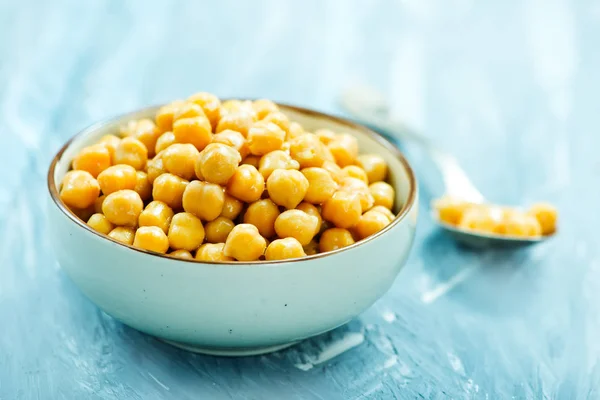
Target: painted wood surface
x,y
511,87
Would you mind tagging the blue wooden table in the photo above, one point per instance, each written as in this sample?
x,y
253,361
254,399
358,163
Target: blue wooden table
x,y
511,87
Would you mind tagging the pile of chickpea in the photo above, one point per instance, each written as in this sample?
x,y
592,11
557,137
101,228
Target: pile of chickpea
x,y
224,181
539,220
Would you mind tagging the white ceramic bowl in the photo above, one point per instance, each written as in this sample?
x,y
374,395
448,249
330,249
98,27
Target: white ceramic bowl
x,y
234,308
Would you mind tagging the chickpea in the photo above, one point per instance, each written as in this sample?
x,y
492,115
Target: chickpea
x,y
155,168
111,142
211,105
479,219
326,136
151,238
233,139
334,170
196,130
232,207
370,223
131,152
180,159
280,119
283,249
185,232
287,187
98,204
344,149
79,189
237,106
100,223
296,224
117,177
188,110
374,165
218,229
519,224
264,107
251,160
264,137
359,187
312,210
156,214
335,238
142,185
169,189
133,127
182,254
238,121
217,163
93,159
262,214
122,234
385,211
148,134
308,150
450,210
245,243
123,207
321,185
277,159
547,215
343,209
165,140
246,184
311,248
164,116
212,252
204,200
353,171
295,130
383,194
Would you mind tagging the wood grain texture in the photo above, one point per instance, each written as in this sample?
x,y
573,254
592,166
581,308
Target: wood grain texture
x,y
510,87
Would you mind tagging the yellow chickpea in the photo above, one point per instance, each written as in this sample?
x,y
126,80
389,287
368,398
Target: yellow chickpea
x,y
343,209
98,204
240,121
264,107
169,189
295,130
100,223
217,163
151,238
218,229
308,150
233,139
370,223
280,119
204,200
311,248
142,185
262,214
165,140
196,131
180,159
479,219
148,134
122,234
335,238
520,225
334,170
287,187
277,159
117,177
211,105
182,254
133,127
156,214
155,168
354,171
164,116
450,210
236,106
374,165
131,152
326,136
79,189
264,137
246,184
185,232
385,211
547,215
284,249
111,142
245,243
383,194
310,209
296,224
93,159
359,187
123,207
344,149
188,110
251,160
321,185
232,207
212,252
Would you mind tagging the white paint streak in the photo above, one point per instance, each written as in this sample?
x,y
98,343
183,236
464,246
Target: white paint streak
x,y
159,382
389,316
390,362
333,350
443,288
456,363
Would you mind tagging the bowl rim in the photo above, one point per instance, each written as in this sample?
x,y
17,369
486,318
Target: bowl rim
x,y
406,207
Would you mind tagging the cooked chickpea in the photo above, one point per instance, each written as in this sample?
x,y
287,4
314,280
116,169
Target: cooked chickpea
x,y
122,234
123,207
519,224
79,189
283,249
132,152
311,248
246,184
180,159
185,232
479,219
233,139
148,134
98,204
164,116
354,171
232,207
117,177
383,194
169,189
353,185
335,238
155,168
547,215
204,200
308,150
287,187
212,252
277,159
211,105
374,165
280,119
111,142
196,131
188,110
236,106
217,163
251,160
371,222
181,254
156,214
334,170
310,209
218,229
100,223
151,238
343,209
296,224
326,136
385,211
344,149
142,185
321,185
295,130
93,159
264,137
245,243
264,107
165,140
132,128
450,210
262,214
240,121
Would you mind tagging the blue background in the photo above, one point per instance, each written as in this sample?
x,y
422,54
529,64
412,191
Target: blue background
x,y
510,87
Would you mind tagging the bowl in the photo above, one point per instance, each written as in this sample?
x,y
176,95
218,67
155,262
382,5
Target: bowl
x,y
234,308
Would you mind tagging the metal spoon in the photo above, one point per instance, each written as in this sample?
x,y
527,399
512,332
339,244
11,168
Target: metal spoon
x,y
370,107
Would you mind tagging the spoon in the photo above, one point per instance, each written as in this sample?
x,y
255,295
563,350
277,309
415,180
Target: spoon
x,y
370,107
